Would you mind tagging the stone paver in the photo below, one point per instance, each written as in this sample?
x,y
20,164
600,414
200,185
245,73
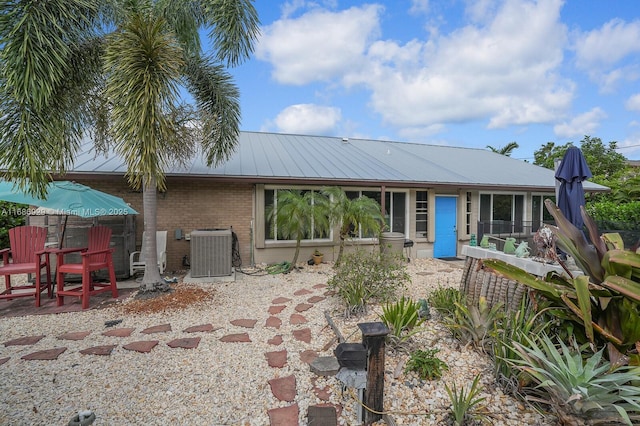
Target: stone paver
x,y
98,350
26,341
275,340
3,360
119,332
315,299
318,286
280,300
308,356
276,309
76,335
236,338
303,307
303,335
142,346
204,328
284,388
276,359
185,343
302,292
46,355
323,393
284,416
297,319
243,322
162,328
324,415
273,322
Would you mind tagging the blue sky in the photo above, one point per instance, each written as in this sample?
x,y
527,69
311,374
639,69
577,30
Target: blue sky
x,y
448,72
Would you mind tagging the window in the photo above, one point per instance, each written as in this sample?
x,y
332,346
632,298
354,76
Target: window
x,y
539,213
505,212
467,218
422,209
271,227
395,214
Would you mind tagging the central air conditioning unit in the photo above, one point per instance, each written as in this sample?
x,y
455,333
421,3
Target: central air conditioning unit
x,y
211,253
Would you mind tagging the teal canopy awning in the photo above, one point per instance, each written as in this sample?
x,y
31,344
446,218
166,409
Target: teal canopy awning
x,y
69,199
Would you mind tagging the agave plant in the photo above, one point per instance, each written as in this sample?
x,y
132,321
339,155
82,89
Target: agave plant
x,y
591,389
605,300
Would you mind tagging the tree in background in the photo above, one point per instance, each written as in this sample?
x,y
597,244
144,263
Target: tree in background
x,y
618,209
604,162
63,77
505,150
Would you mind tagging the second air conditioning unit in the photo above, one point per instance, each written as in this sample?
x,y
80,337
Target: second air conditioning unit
x,y
211,253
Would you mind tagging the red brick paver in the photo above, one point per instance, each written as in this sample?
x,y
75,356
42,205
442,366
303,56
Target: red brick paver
x,y
46,355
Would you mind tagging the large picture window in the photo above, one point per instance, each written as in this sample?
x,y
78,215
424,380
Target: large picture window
x,y
271,227
504,212
395,206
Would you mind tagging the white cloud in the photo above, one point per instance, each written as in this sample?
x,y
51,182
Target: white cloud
x,y
583,124
503,68
308,119
319,45
605,53
504,72
633,103
419,7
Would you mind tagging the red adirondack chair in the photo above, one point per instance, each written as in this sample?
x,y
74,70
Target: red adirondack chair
x,y
95,257
27,257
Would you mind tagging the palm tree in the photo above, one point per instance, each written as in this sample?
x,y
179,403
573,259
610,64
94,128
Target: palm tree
x,y
505,150
361,213
63,76
297,214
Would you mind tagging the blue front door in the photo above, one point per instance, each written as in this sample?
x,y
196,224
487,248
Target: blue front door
x,y
446,227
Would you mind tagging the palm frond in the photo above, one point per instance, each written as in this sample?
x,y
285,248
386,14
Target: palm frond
x,y
217,99
234,27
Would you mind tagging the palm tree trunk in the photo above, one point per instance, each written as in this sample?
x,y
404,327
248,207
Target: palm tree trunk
x,y
151,281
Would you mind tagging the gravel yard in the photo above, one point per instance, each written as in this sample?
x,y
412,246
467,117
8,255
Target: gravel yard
x,y
222,382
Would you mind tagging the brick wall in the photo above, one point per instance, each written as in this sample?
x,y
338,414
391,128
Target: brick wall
x,y
191,205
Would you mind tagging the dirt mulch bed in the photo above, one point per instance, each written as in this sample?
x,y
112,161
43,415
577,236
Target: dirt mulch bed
x,y
180,296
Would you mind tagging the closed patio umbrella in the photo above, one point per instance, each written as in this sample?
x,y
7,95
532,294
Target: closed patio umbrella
x,y
571,172
69,198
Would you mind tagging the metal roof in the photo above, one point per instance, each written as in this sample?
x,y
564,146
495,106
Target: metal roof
x,y
274,157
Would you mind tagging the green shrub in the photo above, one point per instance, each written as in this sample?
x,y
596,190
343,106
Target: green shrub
x,y
9,218
463,403
364,277
475,324
401,317
444,300
580,387
426,364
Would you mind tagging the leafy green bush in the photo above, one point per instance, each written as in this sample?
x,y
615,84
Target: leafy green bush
x,y
401,317
611,212
364,277
9,219
463,403
578,388
426,364
444,300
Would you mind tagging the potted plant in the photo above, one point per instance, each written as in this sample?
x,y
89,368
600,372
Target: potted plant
x,y
317,257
